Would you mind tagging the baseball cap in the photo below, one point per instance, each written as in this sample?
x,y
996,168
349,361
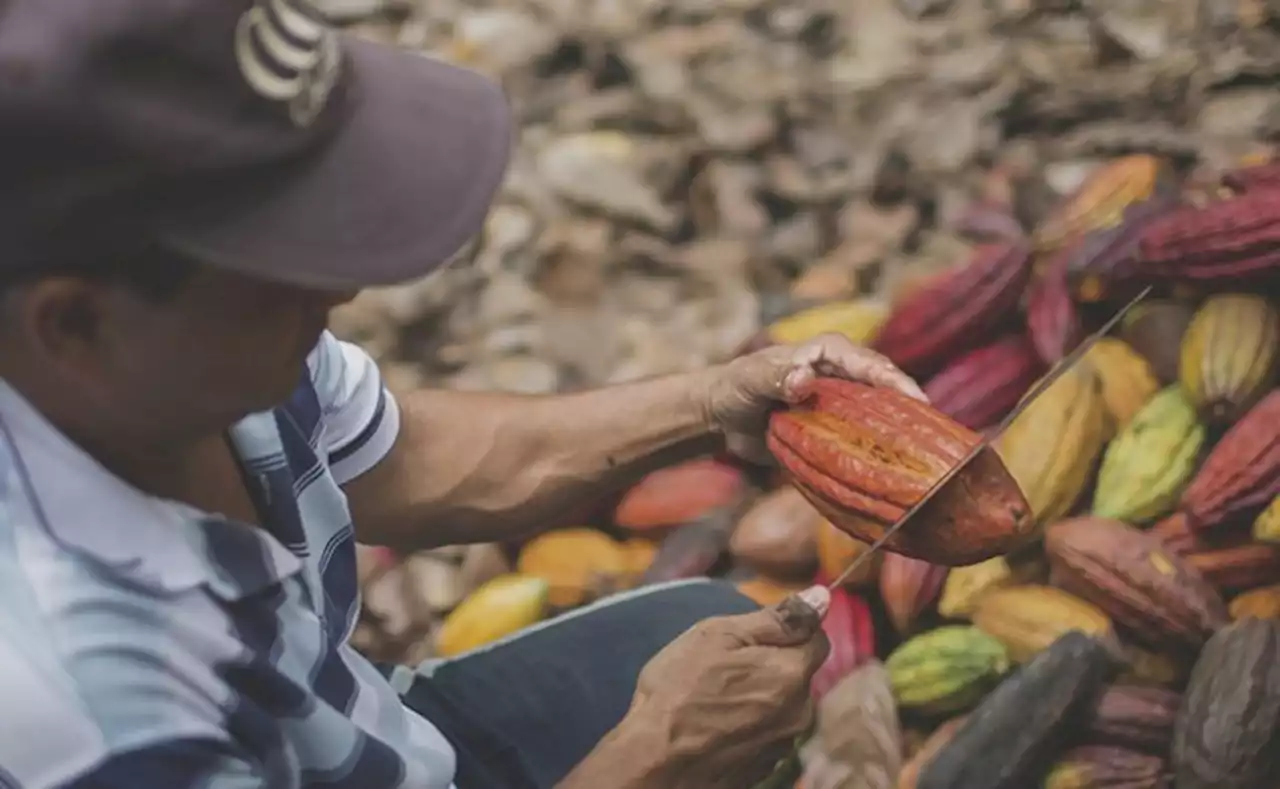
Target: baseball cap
x,y
245,134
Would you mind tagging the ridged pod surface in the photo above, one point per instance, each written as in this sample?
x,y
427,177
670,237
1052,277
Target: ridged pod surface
x,y
1230,355
863,455
1136,579
1103,265
1228,730
946,670
1228,557
1241,473
1217,242
984,384
1011,739
1028,619
1053,447
1102,199
1134,716
1128,380
1146,467
957,311
1053,321
908,588
1107,767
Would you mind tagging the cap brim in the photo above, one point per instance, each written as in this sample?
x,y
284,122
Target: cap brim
x,y
405,182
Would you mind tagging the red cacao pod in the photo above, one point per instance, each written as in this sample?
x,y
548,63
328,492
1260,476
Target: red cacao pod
x,y
1104,264
1253,178
863,455
983,385
679,494
1223,240
1053,321
908,587
851,632
956,311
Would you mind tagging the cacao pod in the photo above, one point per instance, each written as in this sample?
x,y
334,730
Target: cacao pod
x,y
1227,557
778,536
956,311
858,727
1252,177
946,670
679,494
1053,322
1145,469
1260,603
908,587
1103,265
1241,473
910,775
851,634
1052,447
983,385
1134,716
693,550
1136,579
1106,767
577,565
768,592
1266,527
966,586
497,609
1230,354
863,455
1153,668
1128,382
1155,328
858,320
1218,242
1101,200
1027,619
837,550
1010,740
1227,734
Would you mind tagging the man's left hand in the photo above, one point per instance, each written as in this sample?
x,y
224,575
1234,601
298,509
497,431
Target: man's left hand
x,y
742,393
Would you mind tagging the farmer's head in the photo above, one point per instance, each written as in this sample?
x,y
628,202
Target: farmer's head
x,y
190,187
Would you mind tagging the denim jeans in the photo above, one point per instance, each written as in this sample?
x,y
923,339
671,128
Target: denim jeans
x,y
523,711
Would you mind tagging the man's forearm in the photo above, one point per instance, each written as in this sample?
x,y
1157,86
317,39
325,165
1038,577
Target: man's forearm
x,y
629,757
474,467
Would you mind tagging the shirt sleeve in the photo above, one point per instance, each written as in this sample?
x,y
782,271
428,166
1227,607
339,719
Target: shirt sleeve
x,y
180,764
360,416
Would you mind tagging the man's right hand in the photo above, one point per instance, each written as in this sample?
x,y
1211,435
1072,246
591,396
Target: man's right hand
x,y
720,705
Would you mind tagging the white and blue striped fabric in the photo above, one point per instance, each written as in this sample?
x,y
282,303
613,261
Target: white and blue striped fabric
x,y
146,644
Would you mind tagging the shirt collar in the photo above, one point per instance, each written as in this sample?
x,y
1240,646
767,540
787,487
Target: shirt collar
x,y
163,545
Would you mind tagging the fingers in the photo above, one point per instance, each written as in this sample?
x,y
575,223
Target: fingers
x,y
835,355
793,622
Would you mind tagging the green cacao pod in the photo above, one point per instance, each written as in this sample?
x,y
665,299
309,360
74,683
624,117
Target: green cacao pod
x,y
946,670
1147,466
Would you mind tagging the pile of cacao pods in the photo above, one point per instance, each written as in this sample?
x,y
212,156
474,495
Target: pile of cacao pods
x,y
1117,624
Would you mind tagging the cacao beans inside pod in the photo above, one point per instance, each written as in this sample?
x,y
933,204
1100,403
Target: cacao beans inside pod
x,y
956,311
858,726
1155,328
1053,322
1136,579
1145,469
1128,381
1102,766
1102,198
910,775
679,494
1134,716
1053,447
980,387
1230,354
1011,739
946,670
778,536
862,455
908,588
1027,619
1227,734
851,634
1220,242
1241,473
1260,603
1266,527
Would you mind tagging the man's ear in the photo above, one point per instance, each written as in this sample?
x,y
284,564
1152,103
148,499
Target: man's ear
x,y
61,319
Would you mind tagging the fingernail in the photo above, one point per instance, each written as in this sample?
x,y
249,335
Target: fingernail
x,y
818,598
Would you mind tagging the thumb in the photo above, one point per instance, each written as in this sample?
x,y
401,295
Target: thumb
x,y
791,623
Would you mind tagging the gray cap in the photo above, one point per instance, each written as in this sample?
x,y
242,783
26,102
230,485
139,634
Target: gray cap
x,y
247,134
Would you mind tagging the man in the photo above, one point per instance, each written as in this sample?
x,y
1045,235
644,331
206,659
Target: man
x,y
189,188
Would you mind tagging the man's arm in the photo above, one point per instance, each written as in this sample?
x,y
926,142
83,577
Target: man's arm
x,y
469,467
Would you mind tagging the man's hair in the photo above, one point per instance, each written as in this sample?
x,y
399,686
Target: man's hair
x,y
152,271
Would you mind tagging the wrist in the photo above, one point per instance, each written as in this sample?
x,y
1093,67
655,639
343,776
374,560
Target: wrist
x,y
637,754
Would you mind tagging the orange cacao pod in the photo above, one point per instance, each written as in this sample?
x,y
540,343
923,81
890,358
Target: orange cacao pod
x,y
957,310
679,494
983,385
1136,579
1221,241
577,564
908,587
1101,200
862,455
849,629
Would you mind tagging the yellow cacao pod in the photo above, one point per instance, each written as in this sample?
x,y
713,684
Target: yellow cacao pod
x,y
1267,526
1146,467
577,564
497,609
946,670
1143,666
1027,619
1229,355
966,586
858,320
1052,448
1128,380
1260,603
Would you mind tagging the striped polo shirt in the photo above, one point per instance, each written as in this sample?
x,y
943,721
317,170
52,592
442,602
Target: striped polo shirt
x,y
145,644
